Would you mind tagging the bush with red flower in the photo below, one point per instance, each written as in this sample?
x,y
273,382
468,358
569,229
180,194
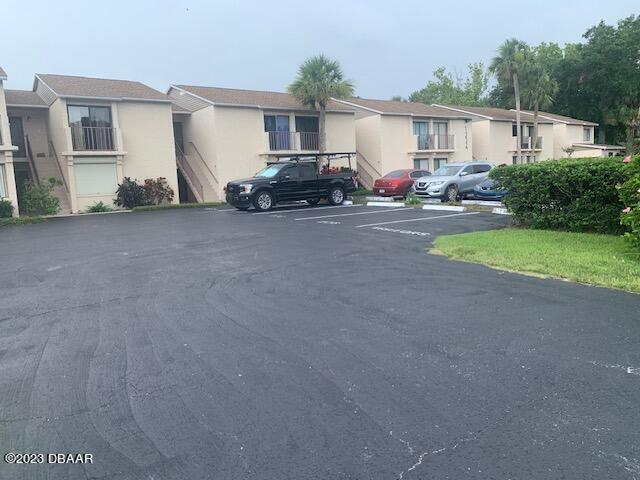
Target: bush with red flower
x,y
630,196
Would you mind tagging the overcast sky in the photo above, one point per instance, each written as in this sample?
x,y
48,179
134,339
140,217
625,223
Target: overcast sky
x,y
385,47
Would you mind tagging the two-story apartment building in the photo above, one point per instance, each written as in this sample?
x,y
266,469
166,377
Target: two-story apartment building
x,y
572,134
394,135
224,134
89,133
495,135
7,181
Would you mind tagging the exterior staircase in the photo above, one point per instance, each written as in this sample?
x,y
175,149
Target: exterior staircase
x,y
43,168
202,180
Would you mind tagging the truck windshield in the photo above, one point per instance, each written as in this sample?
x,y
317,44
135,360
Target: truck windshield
x,y
270,171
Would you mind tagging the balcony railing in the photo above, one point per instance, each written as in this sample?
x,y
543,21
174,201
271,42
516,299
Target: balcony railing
x,y
527,143
292,141
435,142
93,138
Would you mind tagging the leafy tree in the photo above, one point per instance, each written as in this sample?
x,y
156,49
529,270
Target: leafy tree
x,y
397,98
511,58
319,79
447,88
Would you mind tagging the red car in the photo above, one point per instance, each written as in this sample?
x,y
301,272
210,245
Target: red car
x,y
397,183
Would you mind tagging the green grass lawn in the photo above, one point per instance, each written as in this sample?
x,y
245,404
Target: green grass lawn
x,y
604,260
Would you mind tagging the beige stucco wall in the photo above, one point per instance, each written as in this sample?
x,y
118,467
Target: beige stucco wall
x,y
146,131
493,142
368,147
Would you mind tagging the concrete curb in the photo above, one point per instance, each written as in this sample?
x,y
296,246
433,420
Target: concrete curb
x,y
385,204
379,199
483,203
347,202
449,208
500,211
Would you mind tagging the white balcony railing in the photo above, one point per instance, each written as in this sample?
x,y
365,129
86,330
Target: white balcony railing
x,y
93,138
435,142
527,143
292,141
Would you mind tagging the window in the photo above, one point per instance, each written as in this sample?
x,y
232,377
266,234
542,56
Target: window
x,y
439,162
514,159
90,127
96,178
307,172
468,170
17,136
481,168
421,129
441,135
421,163
307,128
586,134
293,173
514,130
418,174
278,128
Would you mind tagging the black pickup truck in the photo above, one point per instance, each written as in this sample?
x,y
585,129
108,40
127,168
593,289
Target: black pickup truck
x,y
289,180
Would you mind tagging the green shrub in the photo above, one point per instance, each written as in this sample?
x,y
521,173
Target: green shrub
x,y
412,199
577,194
130,194
39,198
630,197
99,207
6,209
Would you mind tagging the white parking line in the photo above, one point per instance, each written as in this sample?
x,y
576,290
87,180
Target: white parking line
x,y
358,213
417,219
287,208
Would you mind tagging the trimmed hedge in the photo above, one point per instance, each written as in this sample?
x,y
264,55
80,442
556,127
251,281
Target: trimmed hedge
x,y
577,194
630,196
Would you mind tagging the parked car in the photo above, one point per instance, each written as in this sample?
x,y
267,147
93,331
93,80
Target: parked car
x,y
489,190
397,183
286,181
452,181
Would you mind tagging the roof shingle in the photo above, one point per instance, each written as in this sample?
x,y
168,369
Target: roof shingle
x,y
254,98
500,114
71,86
23,98
405,108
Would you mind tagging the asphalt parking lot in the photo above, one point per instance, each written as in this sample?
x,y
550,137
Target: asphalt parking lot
x,y
305,343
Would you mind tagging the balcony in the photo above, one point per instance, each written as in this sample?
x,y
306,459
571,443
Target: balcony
x,y
435,142
93,138
527,143
292,141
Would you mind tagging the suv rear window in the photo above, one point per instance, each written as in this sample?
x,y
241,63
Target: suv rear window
x,y
481,168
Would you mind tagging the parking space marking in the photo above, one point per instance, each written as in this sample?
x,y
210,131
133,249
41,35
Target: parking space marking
x,y
287,208
406,232
328,222
357,213
417,219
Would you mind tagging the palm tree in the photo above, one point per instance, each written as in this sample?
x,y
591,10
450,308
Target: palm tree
x,y
538,92
506,65
319,79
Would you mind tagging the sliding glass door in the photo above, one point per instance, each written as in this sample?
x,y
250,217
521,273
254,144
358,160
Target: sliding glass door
x,y
421,130
277,126
91,127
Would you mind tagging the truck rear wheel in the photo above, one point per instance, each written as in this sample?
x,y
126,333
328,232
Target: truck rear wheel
x,y
336,196
263,201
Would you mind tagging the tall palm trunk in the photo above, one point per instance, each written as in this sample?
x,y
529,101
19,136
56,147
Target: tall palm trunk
x,y
534,140
322,133
516,88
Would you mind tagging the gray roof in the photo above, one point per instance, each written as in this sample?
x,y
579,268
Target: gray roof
x,y
555,118
23,98
71,86
3,74
253,98
490,113
404,108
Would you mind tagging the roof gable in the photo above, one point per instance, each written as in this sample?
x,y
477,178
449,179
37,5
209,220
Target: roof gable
x,y
86,87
